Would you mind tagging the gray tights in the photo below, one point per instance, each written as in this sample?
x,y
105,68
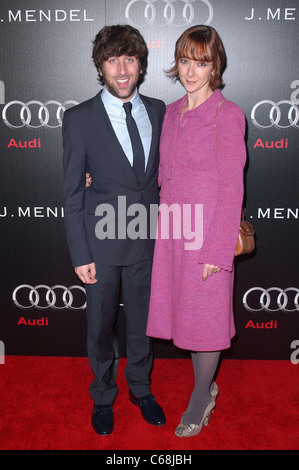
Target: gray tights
x,y
204,366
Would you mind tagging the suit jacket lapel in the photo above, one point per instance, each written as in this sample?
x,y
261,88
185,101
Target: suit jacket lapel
x,y
154,122
105,128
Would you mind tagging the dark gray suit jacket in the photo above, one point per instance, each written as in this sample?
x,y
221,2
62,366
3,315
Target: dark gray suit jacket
x,y
90,144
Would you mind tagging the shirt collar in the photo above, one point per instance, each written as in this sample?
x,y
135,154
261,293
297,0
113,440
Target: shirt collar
x,y
206,111
116,105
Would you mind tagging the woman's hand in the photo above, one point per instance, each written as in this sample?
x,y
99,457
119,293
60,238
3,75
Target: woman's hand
x,y
208,270
88,180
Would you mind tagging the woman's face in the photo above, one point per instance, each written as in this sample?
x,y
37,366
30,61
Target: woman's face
x,y
195,75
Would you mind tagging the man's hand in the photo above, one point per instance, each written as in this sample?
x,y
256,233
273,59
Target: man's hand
x,y
87,273
208,270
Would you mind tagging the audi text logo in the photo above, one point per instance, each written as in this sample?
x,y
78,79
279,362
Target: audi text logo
x,y
47,114
169,12
272,299
274,114
56,297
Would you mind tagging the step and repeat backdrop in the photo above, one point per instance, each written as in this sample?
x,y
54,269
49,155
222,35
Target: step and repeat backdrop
x,y
46,67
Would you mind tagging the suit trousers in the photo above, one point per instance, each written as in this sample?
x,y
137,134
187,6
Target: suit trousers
x,y
102,308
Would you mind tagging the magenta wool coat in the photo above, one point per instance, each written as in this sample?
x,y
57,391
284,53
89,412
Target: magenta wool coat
x,y
201,178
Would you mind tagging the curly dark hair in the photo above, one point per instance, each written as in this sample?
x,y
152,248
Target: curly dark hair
x,y
118,40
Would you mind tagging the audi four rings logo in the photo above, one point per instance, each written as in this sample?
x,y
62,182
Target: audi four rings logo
x,y
42,118
282,300
168,12
42,296
275,114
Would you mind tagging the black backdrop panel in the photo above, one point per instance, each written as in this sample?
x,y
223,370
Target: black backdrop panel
x,y
46,67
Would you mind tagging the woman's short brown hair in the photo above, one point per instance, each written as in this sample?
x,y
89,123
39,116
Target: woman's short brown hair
x,y
201,43
118,40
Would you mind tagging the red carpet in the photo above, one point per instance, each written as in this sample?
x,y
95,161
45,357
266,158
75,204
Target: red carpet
x,y
45,405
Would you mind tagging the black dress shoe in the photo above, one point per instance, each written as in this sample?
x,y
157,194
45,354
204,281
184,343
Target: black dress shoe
x,y
150,410
102,419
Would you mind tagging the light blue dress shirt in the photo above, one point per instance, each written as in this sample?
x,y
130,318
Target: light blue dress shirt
x,y
117,116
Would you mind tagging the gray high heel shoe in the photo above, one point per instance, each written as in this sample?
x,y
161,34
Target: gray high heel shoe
x,y
214,391
190,430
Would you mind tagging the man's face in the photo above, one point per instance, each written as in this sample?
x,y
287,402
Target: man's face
x,y
121,76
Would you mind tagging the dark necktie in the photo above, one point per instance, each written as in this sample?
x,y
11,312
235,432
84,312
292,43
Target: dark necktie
x,y
137,147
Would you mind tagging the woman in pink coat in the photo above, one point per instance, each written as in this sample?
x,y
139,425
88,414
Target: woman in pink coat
x,y
201,176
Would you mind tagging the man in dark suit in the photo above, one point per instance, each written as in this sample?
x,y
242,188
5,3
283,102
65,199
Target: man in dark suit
x,y
100,137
